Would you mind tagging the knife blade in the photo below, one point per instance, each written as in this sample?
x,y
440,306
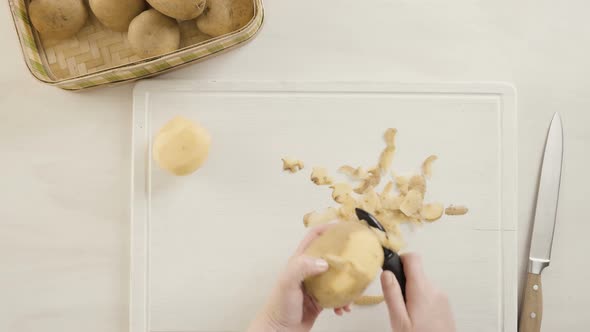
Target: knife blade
x,y
543,227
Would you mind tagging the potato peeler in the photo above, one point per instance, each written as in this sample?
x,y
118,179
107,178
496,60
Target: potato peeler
x,y
391,262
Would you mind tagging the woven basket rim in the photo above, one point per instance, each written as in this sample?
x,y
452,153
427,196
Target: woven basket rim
x,y
253,23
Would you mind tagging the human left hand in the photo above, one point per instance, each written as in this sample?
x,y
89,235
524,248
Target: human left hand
x,y
289,308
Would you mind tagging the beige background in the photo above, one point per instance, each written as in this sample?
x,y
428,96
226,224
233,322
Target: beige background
x,y
64,156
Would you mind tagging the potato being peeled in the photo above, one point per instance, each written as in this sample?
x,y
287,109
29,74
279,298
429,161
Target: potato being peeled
x,y
58,19
117,14
182,10
355,256
152,34
181,146
225,16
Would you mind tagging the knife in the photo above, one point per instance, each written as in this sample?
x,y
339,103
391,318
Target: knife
x,y
543,228
391,260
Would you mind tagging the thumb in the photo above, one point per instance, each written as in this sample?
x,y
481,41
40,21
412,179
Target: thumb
x,y
394,299
302,267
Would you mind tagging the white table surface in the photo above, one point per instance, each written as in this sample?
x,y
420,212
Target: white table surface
x,y
64,228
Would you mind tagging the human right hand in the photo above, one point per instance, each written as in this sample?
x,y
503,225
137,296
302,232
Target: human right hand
x,y
426,308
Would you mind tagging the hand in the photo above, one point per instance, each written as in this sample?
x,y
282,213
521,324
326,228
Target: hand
x,y
426,308
289,308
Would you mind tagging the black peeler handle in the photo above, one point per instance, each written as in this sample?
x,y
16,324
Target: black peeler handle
x,y
394,264
391,262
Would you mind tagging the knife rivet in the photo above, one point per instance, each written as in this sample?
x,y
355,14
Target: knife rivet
x,y
536,287
533,315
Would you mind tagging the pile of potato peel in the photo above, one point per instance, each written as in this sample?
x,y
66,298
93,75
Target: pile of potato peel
x,y
401,200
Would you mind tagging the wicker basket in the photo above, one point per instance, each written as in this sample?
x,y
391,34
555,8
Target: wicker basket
x,y
98,56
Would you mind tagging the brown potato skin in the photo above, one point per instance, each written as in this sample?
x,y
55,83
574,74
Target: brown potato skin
x,y
152,33
117,14
225,16
58,19
182,10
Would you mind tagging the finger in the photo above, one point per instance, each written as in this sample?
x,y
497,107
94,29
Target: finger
x,y
301,267
338,311
312,235
311,303
398,314
346,308
413,268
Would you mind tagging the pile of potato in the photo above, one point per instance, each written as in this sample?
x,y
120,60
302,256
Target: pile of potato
x,y
151,31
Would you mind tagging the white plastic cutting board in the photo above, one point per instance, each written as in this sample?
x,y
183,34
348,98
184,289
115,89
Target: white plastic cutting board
x,y
207,248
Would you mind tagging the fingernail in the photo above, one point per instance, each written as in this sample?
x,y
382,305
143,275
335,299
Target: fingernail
x,y
333,222
321,264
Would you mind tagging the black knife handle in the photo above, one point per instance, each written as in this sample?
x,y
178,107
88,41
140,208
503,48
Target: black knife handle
x,y
394,264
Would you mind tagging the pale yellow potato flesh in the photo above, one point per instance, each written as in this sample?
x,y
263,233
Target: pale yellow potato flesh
x,y
181,146
355,257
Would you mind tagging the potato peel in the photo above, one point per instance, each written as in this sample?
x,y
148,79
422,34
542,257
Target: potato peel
x,y
386,159
369,300
456,210
387,189
371,202
340,192
388,241
427,166
412,203
292,165
417,183
316,218
354,174
319,176
432,212
371,181
389,137
402,183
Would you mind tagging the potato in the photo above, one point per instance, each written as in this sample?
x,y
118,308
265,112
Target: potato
x,y
183,10
181,146
151,34
117,14
58,19
355,257
225,16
